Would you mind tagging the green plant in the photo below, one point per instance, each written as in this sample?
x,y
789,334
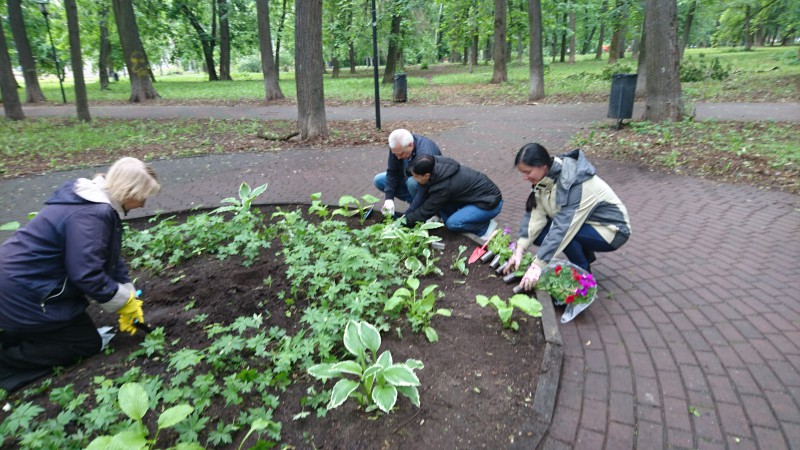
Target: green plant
x,y
460,262
134,402
420,307
501,244
618,67
361,206
378,378
522,302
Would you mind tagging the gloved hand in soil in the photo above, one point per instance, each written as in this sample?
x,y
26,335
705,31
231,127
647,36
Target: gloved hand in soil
x,y
531,277
388,208
130,314
513,262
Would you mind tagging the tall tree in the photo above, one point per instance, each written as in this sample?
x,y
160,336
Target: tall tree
x,y
15,19
571,7
278,40
536,58
224,41
394,44
616,49
308,69
133,52
500,73
641,68
81,100
598,55
663,59
271,87
207,39
8,85
104,58
687,25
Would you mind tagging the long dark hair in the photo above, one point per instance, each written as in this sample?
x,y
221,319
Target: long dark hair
x,y
534,155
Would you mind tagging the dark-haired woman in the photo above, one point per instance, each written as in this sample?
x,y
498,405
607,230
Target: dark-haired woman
x,y
465,199
570,210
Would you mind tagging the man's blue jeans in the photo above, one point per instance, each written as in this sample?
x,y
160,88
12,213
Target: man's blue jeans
x,y
406,192
469,218
580,251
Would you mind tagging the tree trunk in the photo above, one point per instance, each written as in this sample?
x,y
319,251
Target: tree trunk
x,y
272,89
8,84
663,59
133,52
26,61
488,50
687,25
500,73
473,53
748,44
105,48
536,57
563,54
351,50
308,69
618,19
351,53
278,42
641,68
336,68
571,7
224,41
598,55
391,55
76,59
207,41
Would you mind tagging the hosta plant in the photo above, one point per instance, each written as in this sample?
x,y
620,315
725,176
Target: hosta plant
x,y
374,381
419,307
522,302
134,402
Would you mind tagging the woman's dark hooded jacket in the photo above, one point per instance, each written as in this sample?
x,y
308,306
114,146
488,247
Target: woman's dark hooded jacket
x,y
68,252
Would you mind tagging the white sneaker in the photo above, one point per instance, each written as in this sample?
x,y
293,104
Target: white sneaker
x,y
434,219
480,240
490,230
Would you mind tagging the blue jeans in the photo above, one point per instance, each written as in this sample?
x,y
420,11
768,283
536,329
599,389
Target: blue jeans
x,y
406,192
469,218
580,250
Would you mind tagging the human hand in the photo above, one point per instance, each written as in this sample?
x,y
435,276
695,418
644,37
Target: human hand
x,y
513,263
531,277
130,314
388,208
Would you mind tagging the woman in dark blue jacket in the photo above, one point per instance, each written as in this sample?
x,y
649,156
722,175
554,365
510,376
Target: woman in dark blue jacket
x,y
68,254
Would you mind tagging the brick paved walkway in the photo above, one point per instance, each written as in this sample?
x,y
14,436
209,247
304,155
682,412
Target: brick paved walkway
x,y
700,309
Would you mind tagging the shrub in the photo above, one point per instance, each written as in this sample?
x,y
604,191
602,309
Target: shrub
x,y
250,64
613,69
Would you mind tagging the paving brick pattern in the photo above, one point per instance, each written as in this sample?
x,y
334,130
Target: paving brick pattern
x,y
698,312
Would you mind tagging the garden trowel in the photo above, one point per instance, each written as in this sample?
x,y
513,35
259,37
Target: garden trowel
x,y
480,251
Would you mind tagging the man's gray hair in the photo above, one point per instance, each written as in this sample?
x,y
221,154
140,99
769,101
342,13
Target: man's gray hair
x,y
400,138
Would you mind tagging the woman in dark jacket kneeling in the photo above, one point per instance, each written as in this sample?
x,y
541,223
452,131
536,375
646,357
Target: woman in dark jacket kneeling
x,y
68,254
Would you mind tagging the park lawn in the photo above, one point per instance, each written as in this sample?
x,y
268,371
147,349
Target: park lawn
x,y
761,75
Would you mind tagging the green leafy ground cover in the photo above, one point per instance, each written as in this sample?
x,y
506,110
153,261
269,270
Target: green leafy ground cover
x,y
239,318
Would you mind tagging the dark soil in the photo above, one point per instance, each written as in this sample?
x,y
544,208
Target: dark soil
x,y
477,387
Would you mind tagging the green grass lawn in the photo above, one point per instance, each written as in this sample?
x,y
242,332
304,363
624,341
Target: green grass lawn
x,y
763,74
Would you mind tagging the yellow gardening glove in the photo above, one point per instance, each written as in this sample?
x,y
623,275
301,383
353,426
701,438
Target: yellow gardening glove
x,y
130,314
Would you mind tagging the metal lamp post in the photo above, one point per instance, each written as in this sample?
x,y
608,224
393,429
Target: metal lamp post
x,y
43,8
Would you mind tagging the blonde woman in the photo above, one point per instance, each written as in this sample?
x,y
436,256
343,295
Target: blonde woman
x,y
68,254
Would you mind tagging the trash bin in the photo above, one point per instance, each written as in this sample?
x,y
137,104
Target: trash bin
x,y
623,91
400,88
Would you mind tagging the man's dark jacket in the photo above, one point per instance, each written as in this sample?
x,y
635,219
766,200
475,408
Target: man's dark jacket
x,y
69,251
452,184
